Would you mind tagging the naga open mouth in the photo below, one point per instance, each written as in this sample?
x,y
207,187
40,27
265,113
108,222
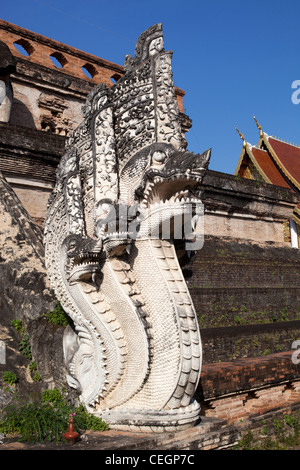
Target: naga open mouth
x,y
173,188
177,178
83,268
85,264
84,258
170,206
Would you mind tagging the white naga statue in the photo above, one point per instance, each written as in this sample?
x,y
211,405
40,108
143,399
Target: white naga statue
x,y
126,186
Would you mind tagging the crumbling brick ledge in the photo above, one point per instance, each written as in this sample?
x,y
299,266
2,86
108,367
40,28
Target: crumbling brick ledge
x,y
243,388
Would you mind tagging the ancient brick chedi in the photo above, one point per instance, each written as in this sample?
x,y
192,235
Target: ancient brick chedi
x,y
134,354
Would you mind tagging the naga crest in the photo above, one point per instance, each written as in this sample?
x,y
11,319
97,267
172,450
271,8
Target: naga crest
x,y
126,189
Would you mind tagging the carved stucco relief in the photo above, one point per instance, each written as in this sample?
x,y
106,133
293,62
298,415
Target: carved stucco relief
x,y
134,351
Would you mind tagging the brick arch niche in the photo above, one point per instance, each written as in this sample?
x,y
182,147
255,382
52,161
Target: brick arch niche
x,y
58,59
89,70
24,47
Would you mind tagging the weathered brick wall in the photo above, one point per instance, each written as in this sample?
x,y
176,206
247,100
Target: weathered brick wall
x,y
244,209
49,95
28,159
247,298
237,342
40,48
238,283
27,152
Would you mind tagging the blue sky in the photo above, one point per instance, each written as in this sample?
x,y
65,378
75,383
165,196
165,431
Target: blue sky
x,y
233,58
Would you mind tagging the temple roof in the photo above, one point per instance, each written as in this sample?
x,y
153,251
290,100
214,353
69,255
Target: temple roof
x,y
272,174
276,161
287,156
272,160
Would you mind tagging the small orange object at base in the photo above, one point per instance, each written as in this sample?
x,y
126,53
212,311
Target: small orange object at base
x,y
71,436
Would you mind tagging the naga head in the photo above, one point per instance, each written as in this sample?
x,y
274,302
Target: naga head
x,y
163,185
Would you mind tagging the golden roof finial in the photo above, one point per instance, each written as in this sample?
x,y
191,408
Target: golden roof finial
x,y
258,126
241,136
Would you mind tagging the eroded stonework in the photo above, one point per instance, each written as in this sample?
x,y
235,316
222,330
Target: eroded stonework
x,y
134,353
7,66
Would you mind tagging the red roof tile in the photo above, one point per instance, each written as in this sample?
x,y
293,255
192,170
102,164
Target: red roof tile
x,y
264,161
288,157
